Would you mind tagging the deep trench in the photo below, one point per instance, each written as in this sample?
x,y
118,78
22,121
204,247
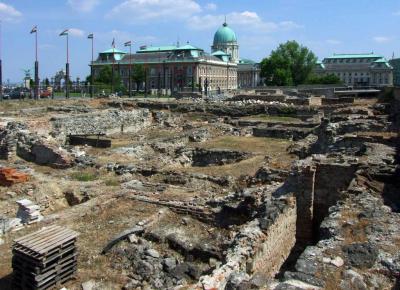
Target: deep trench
x,y
329,183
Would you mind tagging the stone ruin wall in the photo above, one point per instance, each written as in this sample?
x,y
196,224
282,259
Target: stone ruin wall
x,y
304,180
319,185
275,249
257,250
110,122
331,180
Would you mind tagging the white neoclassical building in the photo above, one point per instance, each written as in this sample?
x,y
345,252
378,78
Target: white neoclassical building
x,y
359,70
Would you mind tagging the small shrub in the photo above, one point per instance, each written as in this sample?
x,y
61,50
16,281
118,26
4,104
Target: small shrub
x,y
111,182
84,176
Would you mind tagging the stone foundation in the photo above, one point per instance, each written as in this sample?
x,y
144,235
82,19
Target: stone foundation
x,y
261,246
109,122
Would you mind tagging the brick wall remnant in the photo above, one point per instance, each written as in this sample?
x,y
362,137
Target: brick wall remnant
x,y
10,176
261,246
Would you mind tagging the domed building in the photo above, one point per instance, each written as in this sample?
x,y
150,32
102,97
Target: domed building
x,y
225,40
175,68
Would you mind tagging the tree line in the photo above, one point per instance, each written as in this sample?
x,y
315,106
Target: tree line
x,y
292,64
106,78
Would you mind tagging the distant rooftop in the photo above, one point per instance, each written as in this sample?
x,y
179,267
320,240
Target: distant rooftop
x,y
359,55
167,48
246,61
114,50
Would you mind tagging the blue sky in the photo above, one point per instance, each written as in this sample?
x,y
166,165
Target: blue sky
x,y
326,27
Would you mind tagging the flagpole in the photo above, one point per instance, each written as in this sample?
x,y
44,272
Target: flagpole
x,y
67,72
112,67
1,64
130,69
91,71
36,90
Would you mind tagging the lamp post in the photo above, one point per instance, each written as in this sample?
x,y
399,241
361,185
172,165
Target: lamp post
x,y
129,43
227,76
65,33
206,82
36,89
193,69
91,37
112,67
145,81
1,68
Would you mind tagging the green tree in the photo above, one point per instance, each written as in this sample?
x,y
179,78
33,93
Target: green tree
x,y
105,78
290,64
329,79
138,75
46,82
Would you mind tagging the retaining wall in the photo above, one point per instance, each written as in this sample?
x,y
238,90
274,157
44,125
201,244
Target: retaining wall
x,y
257,248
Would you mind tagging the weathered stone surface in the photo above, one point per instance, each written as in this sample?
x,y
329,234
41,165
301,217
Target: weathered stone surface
x,y
32,147
283,132
108,122
89,285
352,280
152,253
309,279
199,135
361,254
208,157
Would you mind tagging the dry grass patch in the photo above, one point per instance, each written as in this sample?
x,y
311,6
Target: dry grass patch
x,y
270,146
267,118
365,102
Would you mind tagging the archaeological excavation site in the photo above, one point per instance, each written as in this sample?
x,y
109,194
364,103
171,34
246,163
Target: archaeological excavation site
x,y
268,189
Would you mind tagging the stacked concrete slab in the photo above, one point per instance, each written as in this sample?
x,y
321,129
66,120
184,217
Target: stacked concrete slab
x,y
28,212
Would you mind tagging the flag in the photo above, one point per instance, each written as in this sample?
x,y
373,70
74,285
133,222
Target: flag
x,y
113,43
65,32
90,36
128,43
34,29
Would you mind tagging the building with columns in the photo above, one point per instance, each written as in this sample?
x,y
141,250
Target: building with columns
x,y
186,68
249,74
358,70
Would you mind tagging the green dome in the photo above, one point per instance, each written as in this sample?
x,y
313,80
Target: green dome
x,y
224,35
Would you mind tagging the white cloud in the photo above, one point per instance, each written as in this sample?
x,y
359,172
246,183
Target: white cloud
x,y
333,41
76,32
382,39
139,11
83,5
123,36
246,19
211,6
289,25
9,13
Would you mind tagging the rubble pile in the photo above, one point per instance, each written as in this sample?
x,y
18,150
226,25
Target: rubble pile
x,y
32,147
